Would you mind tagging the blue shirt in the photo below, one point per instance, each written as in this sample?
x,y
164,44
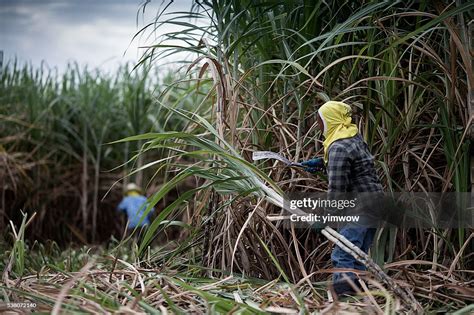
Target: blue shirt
x,y
134,207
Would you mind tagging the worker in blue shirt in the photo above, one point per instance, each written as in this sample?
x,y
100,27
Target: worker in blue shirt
x,y
134,205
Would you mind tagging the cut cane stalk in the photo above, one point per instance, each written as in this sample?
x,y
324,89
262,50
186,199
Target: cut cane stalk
x,y
405,295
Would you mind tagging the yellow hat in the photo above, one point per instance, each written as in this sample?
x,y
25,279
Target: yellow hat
x,y
132,187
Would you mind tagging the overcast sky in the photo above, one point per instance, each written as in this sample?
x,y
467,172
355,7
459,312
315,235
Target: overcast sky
x,y
93,32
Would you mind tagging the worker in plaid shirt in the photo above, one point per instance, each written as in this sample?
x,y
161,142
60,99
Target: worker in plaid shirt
x,y
350,169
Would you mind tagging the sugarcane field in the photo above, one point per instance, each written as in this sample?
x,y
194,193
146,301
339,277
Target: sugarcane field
x,y
236,157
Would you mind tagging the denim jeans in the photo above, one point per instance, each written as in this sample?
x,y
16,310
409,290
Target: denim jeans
x,y
359,236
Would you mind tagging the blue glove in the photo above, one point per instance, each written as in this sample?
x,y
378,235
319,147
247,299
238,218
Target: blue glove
x,y
313,165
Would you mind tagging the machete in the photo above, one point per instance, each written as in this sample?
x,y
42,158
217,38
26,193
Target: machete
x,y
260,155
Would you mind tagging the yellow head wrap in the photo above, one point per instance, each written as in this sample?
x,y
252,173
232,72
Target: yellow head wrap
x,y
337,120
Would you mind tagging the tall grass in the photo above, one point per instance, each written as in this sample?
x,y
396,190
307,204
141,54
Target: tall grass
x,y
55,154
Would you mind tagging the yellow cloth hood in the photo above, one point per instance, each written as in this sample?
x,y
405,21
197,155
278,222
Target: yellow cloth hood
x,y
337,121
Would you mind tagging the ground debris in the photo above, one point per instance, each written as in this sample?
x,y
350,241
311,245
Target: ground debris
x,y
135,290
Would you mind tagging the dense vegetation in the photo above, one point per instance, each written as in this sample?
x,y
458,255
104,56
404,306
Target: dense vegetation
x,y
261,71
57,159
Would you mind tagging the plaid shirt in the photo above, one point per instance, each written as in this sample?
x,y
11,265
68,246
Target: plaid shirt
x,y
351,167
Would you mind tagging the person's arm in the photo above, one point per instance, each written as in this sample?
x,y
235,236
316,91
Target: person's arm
x,y
145,206
150,215
122,206
338,168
